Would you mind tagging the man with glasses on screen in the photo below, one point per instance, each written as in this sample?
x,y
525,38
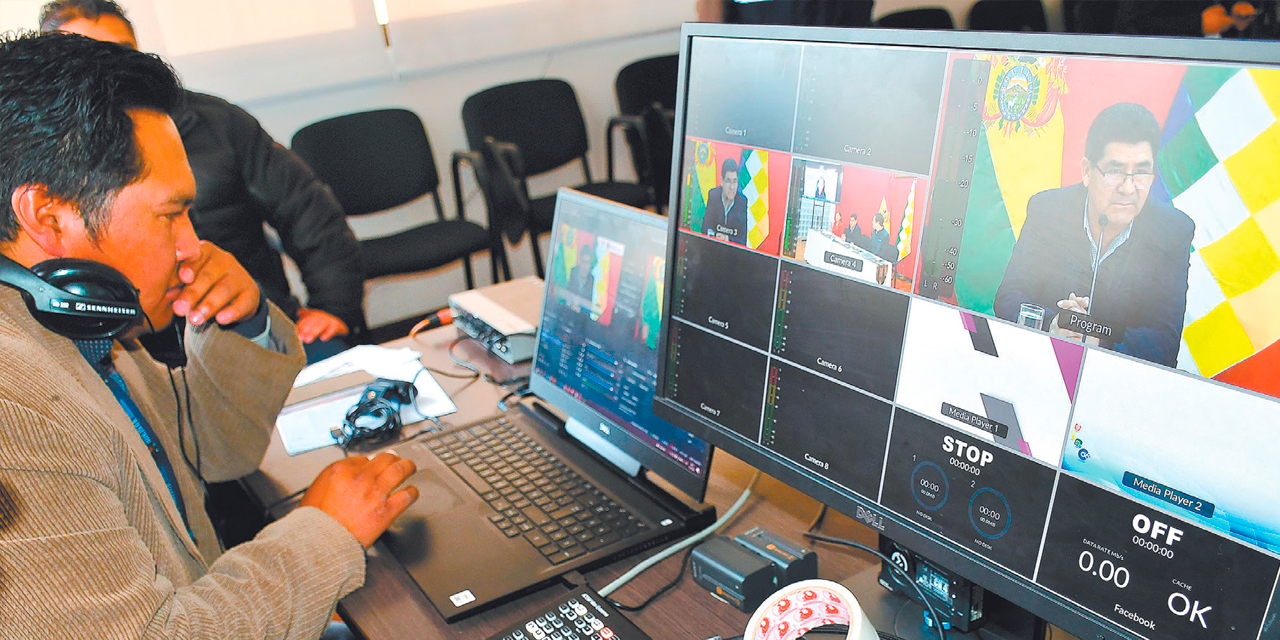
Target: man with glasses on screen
x,y
1104,249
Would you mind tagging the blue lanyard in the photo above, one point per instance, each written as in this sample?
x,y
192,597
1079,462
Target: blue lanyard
x,y
116,384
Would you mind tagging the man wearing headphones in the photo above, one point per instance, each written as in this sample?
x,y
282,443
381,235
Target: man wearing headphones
x,y
103,531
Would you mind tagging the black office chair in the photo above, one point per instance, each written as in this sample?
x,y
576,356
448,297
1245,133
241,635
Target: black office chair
x,y
922,18
378,160
1008,15
538,124
1090,16
646,91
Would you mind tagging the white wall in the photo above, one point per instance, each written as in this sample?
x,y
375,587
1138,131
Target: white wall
x,y
437,96
290,64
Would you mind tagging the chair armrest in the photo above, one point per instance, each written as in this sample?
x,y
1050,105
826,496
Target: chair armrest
x,y
668,118
476,162
508,170
624,122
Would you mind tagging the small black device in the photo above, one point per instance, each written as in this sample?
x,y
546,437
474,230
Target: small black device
x,y
166,345
957,600
376,416
793,562
581,614
733,574
79,299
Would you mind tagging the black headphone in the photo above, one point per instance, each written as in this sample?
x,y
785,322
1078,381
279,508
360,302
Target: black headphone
x,y
79,299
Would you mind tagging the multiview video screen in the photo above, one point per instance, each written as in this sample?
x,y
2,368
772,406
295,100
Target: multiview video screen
x,y
1024,304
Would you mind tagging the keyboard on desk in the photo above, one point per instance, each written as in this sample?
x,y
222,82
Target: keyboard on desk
x,y
534,494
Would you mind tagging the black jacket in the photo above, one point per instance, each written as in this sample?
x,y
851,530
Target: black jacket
x,y
1142,286
243,179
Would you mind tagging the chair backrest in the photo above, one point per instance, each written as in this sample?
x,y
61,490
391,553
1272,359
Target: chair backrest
x,y
647,88
818,13
659,139
647,81
922,18
1090,16
373,160
541,117
1008,15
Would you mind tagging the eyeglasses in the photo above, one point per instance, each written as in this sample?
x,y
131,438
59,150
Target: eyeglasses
x,y
1116,177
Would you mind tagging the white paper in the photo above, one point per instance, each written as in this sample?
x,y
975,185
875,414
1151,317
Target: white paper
x,y
309,425
362,358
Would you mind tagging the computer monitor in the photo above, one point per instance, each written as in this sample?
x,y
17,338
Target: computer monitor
x,y
597,352
1048,361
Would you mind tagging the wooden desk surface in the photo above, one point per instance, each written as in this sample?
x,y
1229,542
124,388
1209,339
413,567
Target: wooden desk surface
x,y
391,605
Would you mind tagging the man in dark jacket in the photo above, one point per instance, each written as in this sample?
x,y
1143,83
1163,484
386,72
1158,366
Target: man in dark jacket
x,y
1105,262
726,214
245,179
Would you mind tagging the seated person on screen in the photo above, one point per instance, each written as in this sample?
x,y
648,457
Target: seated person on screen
x,y
581,281
245,179
853,232
726,214
820,189
1104,248
103,530
879,235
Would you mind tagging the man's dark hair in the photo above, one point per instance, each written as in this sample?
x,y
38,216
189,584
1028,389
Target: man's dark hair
x,y
730,165
1123,122
59,12
64,121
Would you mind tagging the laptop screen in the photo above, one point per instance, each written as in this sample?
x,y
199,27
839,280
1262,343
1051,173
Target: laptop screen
x,y
597,353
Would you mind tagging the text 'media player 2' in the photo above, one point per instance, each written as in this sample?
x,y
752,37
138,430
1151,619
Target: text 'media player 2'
x,y
1058,345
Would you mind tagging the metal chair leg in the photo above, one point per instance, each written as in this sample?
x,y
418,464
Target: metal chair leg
x,y
537,256
466,269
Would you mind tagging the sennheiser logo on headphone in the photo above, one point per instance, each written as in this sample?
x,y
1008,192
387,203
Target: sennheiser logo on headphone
x,y
89,307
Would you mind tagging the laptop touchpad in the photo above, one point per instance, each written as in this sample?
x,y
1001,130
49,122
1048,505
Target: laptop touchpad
x,y
434,494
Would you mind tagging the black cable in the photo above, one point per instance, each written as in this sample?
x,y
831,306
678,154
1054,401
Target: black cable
x,y
375,417
518,394
684,562
191,422
817,520
448,374
942,634
266,511
413,382
177,401
505,384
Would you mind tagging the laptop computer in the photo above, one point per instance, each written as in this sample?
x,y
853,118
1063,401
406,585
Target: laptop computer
x,y
512,504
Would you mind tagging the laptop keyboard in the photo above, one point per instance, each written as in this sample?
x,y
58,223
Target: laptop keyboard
x,y
533,494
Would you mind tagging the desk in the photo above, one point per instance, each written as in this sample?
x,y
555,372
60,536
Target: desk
x,y
390,604
829,253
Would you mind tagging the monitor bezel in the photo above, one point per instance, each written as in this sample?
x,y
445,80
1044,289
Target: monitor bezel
x,y
1020,591
695,486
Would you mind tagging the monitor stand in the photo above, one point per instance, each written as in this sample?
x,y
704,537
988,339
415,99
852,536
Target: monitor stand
x,y
900,616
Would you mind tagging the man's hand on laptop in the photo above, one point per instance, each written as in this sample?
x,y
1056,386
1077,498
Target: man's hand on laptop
x,y
360,493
